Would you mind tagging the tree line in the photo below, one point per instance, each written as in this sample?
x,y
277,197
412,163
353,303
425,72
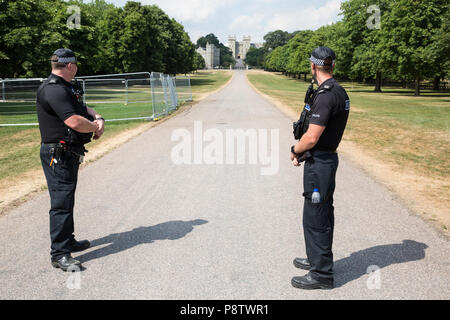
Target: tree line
x,y
110,39
411,43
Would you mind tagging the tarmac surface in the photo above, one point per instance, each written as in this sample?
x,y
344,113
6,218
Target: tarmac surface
x,y
162,230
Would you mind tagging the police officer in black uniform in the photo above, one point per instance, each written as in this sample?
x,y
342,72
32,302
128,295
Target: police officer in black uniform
x,y
323,123
66,124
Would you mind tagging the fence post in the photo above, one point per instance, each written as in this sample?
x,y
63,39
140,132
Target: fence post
x,y
174,83
166,98
152,88
126,92
189,85
84,91
170,82
3,91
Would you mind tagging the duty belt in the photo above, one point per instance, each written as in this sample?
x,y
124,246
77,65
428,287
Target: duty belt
x,y
78,150
321,151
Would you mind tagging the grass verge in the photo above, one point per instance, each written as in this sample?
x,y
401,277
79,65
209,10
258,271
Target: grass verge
x,y
407,137
20,167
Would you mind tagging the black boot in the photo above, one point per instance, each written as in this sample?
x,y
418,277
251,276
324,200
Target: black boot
x,y
308,283
67,263
302,263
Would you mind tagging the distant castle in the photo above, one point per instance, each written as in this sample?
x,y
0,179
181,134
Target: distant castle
x,y
240,49
211,55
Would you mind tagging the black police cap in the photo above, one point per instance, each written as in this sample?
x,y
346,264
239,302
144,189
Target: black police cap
x,y
65,55
319,55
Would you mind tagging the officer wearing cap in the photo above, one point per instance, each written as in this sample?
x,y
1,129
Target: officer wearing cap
x,y
326,121
66,124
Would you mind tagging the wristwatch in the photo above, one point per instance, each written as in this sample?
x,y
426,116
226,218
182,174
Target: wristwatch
x,y
292,150
101,118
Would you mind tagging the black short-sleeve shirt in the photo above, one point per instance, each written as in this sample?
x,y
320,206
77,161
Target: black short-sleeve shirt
x,y
331,107
55,102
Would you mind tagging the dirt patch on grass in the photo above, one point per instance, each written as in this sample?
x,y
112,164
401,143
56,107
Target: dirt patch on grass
x,y
426,196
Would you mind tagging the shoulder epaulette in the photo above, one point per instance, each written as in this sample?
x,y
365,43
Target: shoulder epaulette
x,y
326,87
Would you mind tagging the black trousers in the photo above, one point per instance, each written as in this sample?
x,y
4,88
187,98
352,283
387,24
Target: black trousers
x,y
62,182
318,218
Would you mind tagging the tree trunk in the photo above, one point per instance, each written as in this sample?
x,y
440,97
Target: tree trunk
x,y
417,90
404,84
305,76
378,82
436,82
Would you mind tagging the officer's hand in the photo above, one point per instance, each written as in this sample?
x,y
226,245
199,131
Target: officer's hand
x,y
293,156
100,129
295,162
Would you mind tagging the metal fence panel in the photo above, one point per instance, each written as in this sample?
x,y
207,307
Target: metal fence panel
x,y
159,95
183,88
126,96
20,89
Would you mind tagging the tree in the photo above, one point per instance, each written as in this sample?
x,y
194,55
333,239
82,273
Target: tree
x,y
209,38
276,39
299,51
368,57
26,37
277,59
439,49
409,31
179,54
198,62
109,40
255,57
109,52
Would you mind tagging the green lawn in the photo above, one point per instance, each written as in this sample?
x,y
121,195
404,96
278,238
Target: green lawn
x,y
19,145
408,132
207,81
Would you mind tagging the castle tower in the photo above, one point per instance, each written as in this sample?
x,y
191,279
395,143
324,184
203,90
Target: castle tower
x,y
246,42
233,45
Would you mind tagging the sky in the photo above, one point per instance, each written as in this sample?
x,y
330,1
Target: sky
x,y
246,17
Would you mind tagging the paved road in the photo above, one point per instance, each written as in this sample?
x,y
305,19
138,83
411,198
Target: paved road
x,y
166,231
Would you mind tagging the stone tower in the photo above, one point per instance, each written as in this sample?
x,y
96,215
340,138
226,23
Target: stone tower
x,y
246,42
211,55
233,45
239,49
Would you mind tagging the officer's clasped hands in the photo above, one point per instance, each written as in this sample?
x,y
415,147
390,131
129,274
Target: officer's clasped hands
x,y
294,160
100,128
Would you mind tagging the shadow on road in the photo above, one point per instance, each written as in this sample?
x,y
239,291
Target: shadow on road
x,y
355,266
118,242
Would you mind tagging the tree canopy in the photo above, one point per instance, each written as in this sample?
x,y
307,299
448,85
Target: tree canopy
x,y
411,42
110,39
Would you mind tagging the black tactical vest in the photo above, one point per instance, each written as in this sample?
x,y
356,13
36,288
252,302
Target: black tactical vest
x,y
72,137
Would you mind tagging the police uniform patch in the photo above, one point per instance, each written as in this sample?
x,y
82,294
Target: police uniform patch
x,y
347,105
307,107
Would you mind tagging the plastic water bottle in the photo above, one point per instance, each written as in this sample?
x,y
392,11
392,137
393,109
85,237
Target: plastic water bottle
x,y
315,198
